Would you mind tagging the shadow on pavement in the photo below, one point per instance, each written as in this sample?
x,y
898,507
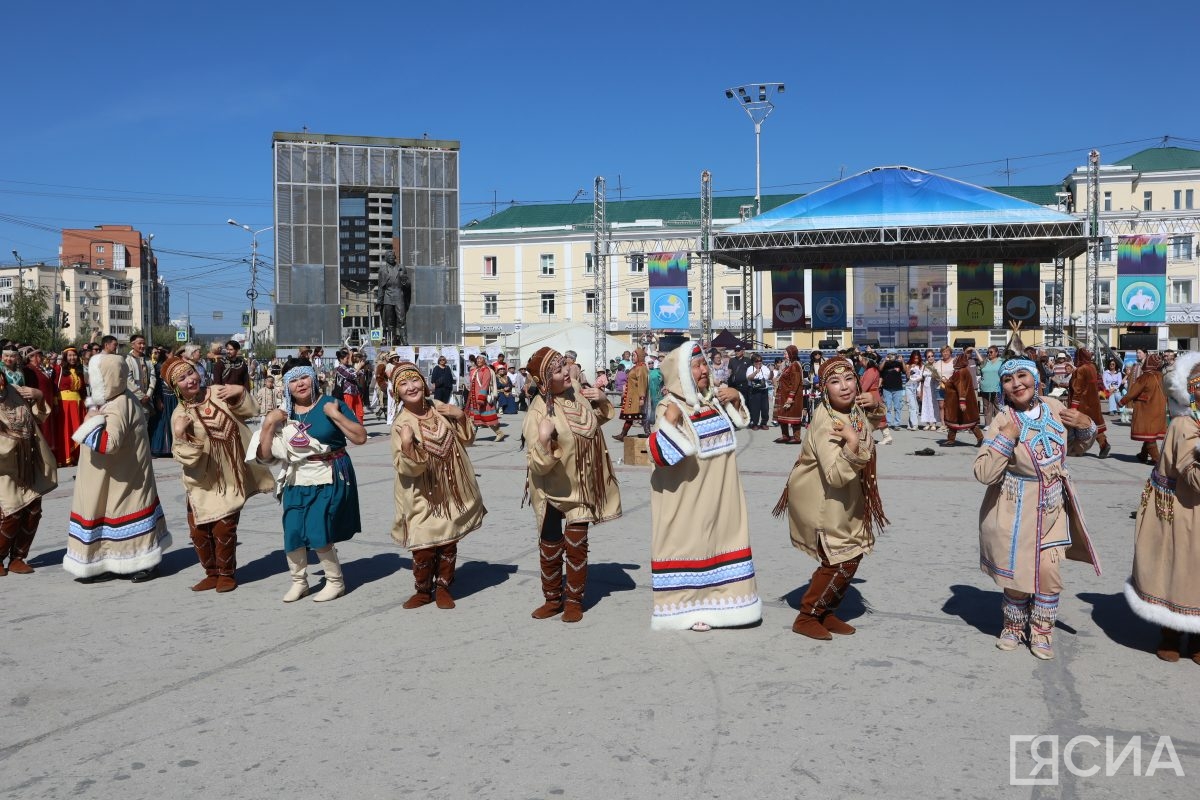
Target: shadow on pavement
x,y
52,559
178,559
268,566
474,576
978,608
851,607
605,579
368,570
1112,615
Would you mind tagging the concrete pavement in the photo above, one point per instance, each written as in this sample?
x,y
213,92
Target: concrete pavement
x,y
151,691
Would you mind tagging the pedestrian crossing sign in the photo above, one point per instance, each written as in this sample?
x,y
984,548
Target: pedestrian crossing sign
x,y
376,335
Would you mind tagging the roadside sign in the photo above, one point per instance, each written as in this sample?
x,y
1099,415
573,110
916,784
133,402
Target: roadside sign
x,y
181,336
343,311
376,335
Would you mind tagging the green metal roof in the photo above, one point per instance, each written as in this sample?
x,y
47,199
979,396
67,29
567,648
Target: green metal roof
x,y
1162,159
684,211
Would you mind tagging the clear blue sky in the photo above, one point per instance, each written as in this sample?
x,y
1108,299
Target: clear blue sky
x,y
160,115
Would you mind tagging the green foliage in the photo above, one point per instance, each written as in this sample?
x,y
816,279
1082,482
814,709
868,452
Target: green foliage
x,y
28,320
264,348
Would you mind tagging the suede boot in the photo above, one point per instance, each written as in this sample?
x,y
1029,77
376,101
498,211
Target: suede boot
x,y
1016,618
423,560
298,566
446,556
575,539
842,575
31,516
10,528
335,586
206,551
808,621
550,556
1041,625
1168,648
225,549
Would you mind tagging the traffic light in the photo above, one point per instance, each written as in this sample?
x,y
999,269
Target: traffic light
x,y
66,320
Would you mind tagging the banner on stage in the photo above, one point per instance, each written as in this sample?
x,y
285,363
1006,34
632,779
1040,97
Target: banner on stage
x,y
1022,280
668,290
1142,279
829,298
976,286
787,296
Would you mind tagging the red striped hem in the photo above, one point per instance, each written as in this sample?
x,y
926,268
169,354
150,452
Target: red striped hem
x,y
703,563
114,521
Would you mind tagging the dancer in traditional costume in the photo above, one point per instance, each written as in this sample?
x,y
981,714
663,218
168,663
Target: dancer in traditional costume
x,y
1164,589
162,437
71,381
345,381
39,378
117,523
481,401
210,439
1030,520
870,382
961,404
1085,395
789,398
700,560
832,498
635,396
437,497
1149,409
27,472
570,478
317,485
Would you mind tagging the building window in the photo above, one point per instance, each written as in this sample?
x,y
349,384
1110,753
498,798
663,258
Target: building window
x,y
1106,249
1181,291
6,283
887,297
637,263
1181,248
733,301
490,339
547,260
1049,292
1103,293
1178,199
99,248
783,338
1147,201
589,263
100,262
1189,195
489,267
547,304
690,306
1108,201
490,306
937,295
637,302
589,303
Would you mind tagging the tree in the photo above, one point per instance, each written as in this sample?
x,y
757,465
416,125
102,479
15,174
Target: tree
x,y
28,320
264,348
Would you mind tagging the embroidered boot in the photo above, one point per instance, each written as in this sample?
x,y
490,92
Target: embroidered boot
x,y
206,551
423,560
575,538
550,557
31,516
298,566
10,528
1168,648
335,586
446,555
1041,625
842,575
812,606
225,552
1016,617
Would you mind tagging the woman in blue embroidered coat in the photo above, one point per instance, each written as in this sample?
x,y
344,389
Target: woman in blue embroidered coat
x,y
320,491
832,499
702,570
1029,520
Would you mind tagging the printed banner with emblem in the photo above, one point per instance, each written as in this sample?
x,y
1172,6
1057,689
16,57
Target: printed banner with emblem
x,y
976,286
787,295
829,298
1021,283
1142,279
668,290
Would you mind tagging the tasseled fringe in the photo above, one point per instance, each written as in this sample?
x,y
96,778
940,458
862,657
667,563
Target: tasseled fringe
x,y
226,447
591,474
1164,505
27,458
525,496
440,485
782,505
873,515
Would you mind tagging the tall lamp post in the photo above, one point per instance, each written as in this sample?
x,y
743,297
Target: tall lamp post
x,y
149,284
20,270
252,292
755,100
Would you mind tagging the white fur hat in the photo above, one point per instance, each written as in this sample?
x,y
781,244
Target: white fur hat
x,y
1175,383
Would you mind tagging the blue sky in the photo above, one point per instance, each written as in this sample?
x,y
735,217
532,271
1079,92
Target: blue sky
x,y
160,115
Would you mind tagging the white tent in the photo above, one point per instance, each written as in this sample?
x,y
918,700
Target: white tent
x,y
563,336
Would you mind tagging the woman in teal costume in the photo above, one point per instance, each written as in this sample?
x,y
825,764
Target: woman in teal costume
x,y
321,507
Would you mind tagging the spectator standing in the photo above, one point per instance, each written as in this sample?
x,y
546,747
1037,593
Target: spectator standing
x,y
758,381
891,373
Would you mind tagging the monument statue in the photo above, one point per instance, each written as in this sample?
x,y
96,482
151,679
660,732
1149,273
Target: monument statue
x,y
392,298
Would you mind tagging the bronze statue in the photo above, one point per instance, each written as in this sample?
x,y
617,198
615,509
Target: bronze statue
x,y
392,298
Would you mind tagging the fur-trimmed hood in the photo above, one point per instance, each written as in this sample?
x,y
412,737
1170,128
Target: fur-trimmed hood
x,y
1175,381
108,377
677,374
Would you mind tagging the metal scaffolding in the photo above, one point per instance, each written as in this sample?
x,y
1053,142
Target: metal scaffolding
x,y
601,243
1055,334
1092,271
705,252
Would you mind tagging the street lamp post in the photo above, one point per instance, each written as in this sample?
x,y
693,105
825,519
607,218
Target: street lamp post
x,y
148,281
252,292
755,100
20,270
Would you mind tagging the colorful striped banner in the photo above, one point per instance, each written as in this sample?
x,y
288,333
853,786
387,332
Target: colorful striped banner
x,y
976,282
1021,279
668,290
1142,279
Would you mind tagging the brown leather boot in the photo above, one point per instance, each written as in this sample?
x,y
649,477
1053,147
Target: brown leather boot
x,y
206,551
575,539
225,552
808,621
842,575
550,557
10,528
446,555
31,516
1168,648
423,560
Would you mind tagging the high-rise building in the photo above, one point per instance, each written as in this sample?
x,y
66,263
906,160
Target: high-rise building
x,y
341,203
108,280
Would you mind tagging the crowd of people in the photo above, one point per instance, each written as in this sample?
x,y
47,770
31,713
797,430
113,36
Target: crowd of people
x,y
1027,411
